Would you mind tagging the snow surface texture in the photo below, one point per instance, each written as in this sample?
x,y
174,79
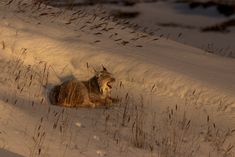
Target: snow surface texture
x,y
178,22
69,44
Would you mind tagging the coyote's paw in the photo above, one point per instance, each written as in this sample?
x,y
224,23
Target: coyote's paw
x,y
108,101
115,100
91,104
111,100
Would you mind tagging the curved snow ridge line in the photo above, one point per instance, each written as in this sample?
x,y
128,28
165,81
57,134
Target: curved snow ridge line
x,y
129,69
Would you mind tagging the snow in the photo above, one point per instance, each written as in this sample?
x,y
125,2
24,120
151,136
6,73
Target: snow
x,y
8,154
190,22
163,71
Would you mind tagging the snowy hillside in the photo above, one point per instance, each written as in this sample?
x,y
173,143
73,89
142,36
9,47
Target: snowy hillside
x,y
175,99
184,24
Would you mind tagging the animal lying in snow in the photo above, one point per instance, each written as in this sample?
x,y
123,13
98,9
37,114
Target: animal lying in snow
x,y
91,93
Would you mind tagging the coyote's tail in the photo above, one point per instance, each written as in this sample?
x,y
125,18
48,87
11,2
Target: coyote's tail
x,y
54,94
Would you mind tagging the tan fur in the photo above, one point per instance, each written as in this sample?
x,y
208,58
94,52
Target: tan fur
x,y
91,93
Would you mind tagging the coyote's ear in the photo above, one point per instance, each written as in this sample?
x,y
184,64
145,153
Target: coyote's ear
x,y
104,69
95,71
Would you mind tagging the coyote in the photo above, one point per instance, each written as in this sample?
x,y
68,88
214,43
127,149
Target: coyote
x,y
91,93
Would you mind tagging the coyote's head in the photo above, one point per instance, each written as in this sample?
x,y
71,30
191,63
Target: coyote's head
x,y
105,80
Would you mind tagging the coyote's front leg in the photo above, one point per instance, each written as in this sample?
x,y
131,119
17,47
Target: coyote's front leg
x,y
109,100
114,100
88,104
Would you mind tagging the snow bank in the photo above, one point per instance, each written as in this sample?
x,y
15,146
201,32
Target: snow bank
x,y
172,68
